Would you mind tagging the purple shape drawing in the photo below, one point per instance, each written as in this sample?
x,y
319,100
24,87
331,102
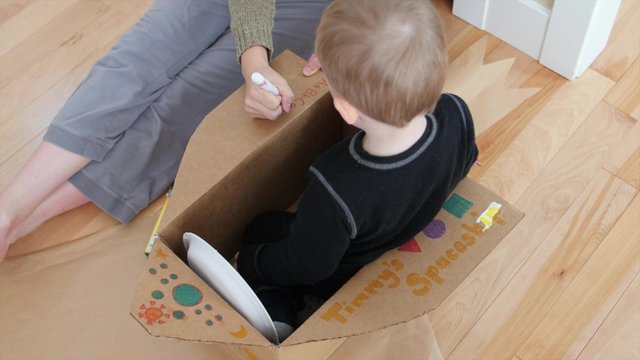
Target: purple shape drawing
x,y
435,229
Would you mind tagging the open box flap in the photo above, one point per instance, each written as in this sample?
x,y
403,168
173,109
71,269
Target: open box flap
x,y
228,135
174,302
415,278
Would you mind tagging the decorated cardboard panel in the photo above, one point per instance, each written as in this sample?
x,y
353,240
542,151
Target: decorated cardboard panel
x,y
415,278
172,301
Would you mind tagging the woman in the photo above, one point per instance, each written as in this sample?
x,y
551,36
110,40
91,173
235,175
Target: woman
x,y
119,139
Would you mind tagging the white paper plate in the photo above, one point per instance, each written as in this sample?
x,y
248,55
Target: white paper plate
x,y
227,282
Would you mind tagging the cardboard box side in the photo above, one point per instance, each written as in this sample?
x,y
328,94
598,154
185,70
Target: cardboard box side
x,y
228,135
270,178
407,282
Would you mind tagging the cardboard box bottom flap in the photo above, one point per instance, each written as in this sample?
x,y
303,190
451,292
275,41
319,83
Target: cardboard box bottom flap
x,y
235,168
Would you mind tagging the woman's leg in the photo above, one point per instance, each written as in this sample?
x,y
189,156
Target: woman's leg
x,y
148,151
131,104
66,197
295,25
117,91
159,136
45,172
122,85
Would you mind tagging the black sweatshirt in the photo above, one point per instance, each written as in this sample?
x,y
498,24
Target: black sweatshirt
x,y
357,206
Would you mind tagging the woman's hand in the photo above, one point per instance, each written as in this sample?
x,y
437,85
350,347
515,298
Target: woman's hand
x,y
260,103
312,66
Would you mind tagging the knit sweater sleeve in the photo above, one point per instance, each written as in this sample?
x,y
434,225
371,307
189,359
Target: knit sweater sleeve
x,y
252,23
318,239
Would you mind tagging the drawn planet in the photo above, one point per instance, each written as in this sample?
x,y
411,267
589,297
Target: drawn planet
x,y
187,295
435,229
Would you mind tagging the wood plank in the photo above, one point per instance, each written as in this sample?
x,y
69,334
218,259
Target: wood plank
x,y
28,21
25,118
19,130
56,36
9,8
625,95
582,308
523,68
452,24
513,316
482,86
493,142
625,5
544,203
619,336
631,170
540,141
525,72
624,162
467,38
623,47
10,167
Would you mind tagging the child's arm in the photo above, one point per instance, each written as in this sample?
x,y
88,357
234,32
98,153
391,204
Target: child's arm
x,y
471,149
318,239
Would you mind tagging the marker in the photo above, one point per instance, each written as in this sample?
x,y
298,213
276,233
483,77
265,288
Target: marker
x,y
264,84
154,233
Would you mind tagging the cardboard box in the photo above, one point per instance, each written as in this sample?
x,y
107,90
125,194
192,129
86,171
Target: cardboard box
x,y
236,167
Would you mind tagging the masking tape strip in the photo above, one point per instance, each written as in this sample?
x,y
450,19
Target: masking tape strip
x,y
486,218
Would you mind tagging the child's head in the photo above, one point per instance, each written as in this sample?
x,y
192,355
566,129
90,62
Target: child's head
x,y
386,58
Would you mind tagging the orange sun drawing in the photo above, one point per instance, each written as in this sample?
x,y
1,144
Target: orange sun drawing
x,y
153,314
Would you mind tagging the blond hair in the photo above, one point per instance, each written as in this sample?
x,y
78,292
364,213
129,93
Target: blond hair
x,y
385,57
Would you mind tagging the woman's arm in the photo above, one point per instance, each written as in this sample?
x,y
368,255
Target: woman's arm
x,y
251,25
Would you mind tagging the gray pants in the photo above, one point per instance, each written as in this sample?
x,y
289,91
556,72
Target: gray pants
x,y
136,110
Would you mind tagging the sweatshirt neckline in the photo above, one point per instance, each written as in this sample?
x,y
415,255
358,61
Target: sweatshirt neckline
x,y
362,157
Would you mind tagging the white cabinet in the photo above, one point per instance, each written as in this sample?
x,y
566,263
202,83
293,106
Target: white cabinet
x,y
563,35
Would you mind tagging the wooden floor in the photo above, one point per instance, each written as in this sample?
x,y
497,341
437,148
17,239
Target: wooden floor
x,y
563,284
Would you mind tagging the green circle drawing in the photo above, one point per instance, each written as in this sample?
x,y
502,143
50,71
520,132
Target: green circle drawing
x,y
187,295
157,294
219,317
198,312
178,315
164,266
174,276
209,322
208,307
152,271
164,281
